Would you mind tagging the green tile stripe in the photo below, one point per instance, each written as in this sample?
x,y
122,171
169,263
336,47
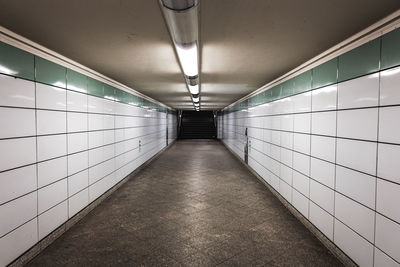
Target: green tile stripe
x,y
325,74
390,54
50,73
16,62
77,81
376,55
21,64
360,61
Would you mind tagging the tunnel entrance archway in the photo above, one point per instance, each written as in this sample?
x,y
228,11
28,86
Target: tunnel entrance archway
x,y
198,125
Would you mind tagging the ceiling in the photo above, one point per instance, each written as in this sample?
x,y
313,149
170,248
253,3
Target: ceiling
x,y
244,44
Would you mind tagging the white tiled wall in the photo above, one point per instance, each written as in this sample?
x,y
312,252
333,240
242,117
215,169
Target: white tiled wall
x,y
333,153
60,150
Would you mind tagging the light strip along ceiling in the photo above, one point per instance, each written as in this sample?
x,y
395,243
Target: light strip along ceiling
x,y
181,17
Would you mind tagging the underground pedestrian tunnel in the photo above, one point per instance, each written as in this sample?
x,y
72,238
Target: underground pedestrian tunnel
x,y
200,133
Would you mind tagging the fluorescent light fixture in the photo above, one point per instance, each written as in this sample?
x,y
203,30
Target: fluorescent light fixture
x,y
182,19
194,89
187,54
179,4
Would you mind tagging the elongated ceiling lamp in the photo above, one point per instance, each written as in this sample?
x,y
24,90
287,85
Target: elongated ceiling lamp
x,y
182,20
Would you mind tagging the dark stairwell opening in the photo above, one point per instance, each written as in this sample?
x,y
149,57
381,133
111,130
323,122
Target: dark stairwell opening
x,y
197,125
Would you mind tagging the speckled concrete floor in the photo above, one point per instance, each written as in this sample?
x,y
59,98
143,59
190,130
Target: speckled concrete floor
x,y
196,205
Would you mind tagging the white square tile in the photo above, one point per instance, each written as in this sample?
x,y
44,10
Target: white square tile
x,y
17,152
77,122
389,91
301,183
51,195
276,138
21,239
388,166
109,137
287,122
120,122
285,190
323,172
388,199
77,101
275,152
97,172
49,97
16,92
388,236
51,122
302,123
359,92
321,195
324,123
302,102
77,182
323,147
78,162
78,202
51,146
96,156
109,166
301,163
287,157
322,220
95,104
108,106
17,122
53,218
301,143
97,189
17,182
389,126
77,142
17,212
287,140
300,202
359,155
51,171
286,174
355,216
356,247
96,139
381,259
324,98
358,124
95,122
108,122
356,185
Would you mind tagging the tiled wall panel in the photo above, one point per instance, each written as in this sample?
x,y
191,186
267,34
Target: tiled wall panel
x,y
65,139
332,149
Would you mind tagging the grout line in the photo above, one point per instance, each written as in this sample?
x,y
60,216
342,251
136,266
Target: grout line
x,y
37,155
335,163
377,153
310,138
66,139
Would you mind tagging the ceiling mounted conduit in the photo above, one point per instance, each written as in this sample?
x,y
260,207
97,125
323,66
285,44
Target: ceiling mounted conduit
x,y
181,17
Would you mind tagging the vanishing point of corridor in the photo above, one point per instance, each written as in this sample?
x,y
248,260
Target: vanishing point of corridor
x,y
195,205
